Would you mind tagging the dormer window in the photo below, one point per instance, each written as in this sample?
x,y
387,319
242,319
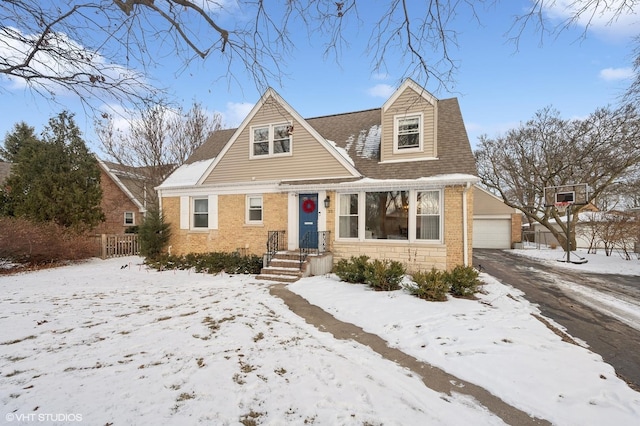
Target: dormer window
x,y
271,140
407,133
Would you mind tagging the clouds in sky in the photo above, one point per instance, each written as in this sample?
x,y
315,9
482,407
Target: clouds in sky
x,y
381,91
603,20
614,74
235,113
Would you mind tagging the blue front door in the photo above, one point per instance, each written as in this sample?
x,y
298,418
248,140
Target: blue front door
x,y
308,230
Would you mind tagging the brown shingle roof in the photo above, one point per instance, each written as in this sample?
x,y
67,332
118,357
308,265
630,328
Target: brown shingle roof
x,y
359,134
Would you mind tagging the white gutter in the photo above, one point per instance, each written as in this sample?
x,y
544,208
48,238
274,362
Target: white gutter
x,y
465,219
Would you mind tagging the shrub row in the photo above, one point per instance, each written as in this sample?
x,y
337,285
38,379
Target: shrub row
x,y
383,275
462,281
211,263
34,243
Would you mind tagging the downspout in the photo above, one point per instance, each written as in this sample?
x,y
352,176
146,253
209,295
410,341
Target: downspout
x,y
465,219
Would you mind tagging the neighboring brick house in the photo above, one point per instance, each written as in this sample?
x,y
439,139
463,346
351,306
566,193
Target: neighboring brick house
x,y
392,183
123,198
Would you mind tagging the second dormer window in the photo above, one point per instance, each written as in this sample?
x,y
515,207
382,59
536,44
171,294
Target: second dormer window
x,y
408,132
274,139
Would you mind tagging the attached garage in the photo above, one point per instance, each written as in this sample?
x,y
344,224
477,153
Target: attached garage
x,y
492,233
495,225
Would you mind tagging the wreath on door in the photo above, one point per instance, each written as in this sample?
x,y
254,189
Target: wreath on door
x,y
308,205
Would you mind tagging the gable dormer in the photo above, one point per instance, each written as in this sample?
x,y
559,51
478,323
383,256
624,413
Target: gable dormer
x,y
409,125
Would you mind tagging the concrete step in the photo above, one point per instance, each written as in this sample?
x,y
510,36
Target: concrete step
x,y
278,278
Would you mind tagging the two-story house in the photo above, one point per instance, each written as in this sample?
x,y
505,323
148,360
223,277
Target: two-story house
x,y
394,183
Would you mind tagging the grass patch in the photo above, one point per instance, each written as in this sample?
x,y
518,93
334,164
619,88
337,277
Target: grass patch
x,y
250,419
13,342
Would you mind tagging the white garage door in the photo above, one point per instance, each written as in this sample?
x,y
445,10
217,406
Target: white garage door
x,y
492,233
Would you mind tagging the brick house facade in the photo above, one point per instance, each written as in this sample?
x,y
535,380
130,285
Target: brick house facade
x,y
122,199
394,182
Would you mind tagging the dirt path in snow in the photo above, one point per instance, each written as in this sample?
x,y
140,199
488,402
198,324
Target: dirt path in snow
x,y
432,377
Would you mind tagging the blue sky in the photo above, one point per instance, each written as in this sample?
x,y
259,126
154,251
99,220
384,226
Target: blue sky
x,y
498,85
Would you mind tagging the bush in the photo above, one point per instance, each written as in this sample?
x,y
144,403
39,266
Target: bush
x,y
154,234
432,285
38,243
211,263
352,270
384,275
463,280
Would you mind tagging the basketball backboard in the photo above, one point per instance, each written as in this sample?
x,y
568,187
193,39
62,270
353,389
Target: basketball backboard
x,y
576,194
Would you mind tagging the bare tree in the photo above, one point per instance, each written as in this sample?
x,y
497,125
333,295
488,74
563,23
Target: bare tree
x,y
155,141
101,48
551,151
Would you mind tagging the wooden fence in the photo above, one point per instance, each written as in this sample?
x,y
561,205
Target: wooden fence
x,y
119,245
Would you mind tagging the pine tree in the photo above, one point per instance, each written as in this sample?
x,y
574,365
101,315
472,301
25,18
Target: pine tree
x,y
57,178
154,234
22,134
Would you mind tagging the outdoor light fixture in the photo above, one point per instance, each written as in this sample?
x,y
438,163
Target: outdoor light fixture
x,y
327,202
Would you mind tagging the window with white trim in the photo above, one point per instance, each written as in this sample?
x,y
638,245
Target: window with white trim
x,y
387,215
408,133
348,216
428,215
129,218
410,215
271,140
254,209
200,212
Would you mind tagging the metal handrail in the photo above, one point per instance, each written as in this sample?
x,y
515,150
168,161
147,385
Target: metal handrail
x,y
309,244
275,243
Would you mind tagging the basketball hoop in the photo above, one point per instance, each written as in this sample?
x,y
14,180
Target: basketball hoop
x,y
561,206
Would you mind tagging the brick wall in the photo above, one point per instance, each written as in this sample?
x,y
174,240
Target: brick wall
x,y
516,228
114,204
423,256
413,256
232,233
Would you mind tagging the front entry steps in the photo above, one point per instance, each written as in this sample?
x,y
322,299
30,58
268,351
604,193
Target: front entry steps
x,y
284,268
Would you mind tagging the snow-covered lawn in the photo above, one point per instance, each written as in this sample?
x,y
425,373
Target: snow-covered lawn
x,y
134,346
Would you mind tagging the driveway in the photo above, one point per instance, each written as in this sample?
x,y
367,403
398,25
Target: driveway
x,y
577,301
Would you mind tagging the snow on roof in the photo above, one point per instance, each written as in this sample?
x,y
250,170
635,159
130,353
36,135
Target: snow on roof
x,y
368,142
342,152
439,179
187,174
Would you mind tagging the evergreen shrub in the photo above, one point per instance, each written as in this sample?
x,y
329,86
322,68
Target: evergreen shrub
x,y
384,275
352,270
211,263
464,281
432,285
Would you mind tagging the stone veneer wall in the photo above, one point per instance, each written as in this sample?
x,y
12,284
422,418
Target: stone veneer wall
x,y
232,233
413,256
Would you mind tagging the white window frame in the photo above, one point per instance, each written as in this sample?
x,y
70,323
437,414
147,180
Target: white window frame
x,y
271,139
340,215
248,209
397,120
194,213
133,219
439,215
413,218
